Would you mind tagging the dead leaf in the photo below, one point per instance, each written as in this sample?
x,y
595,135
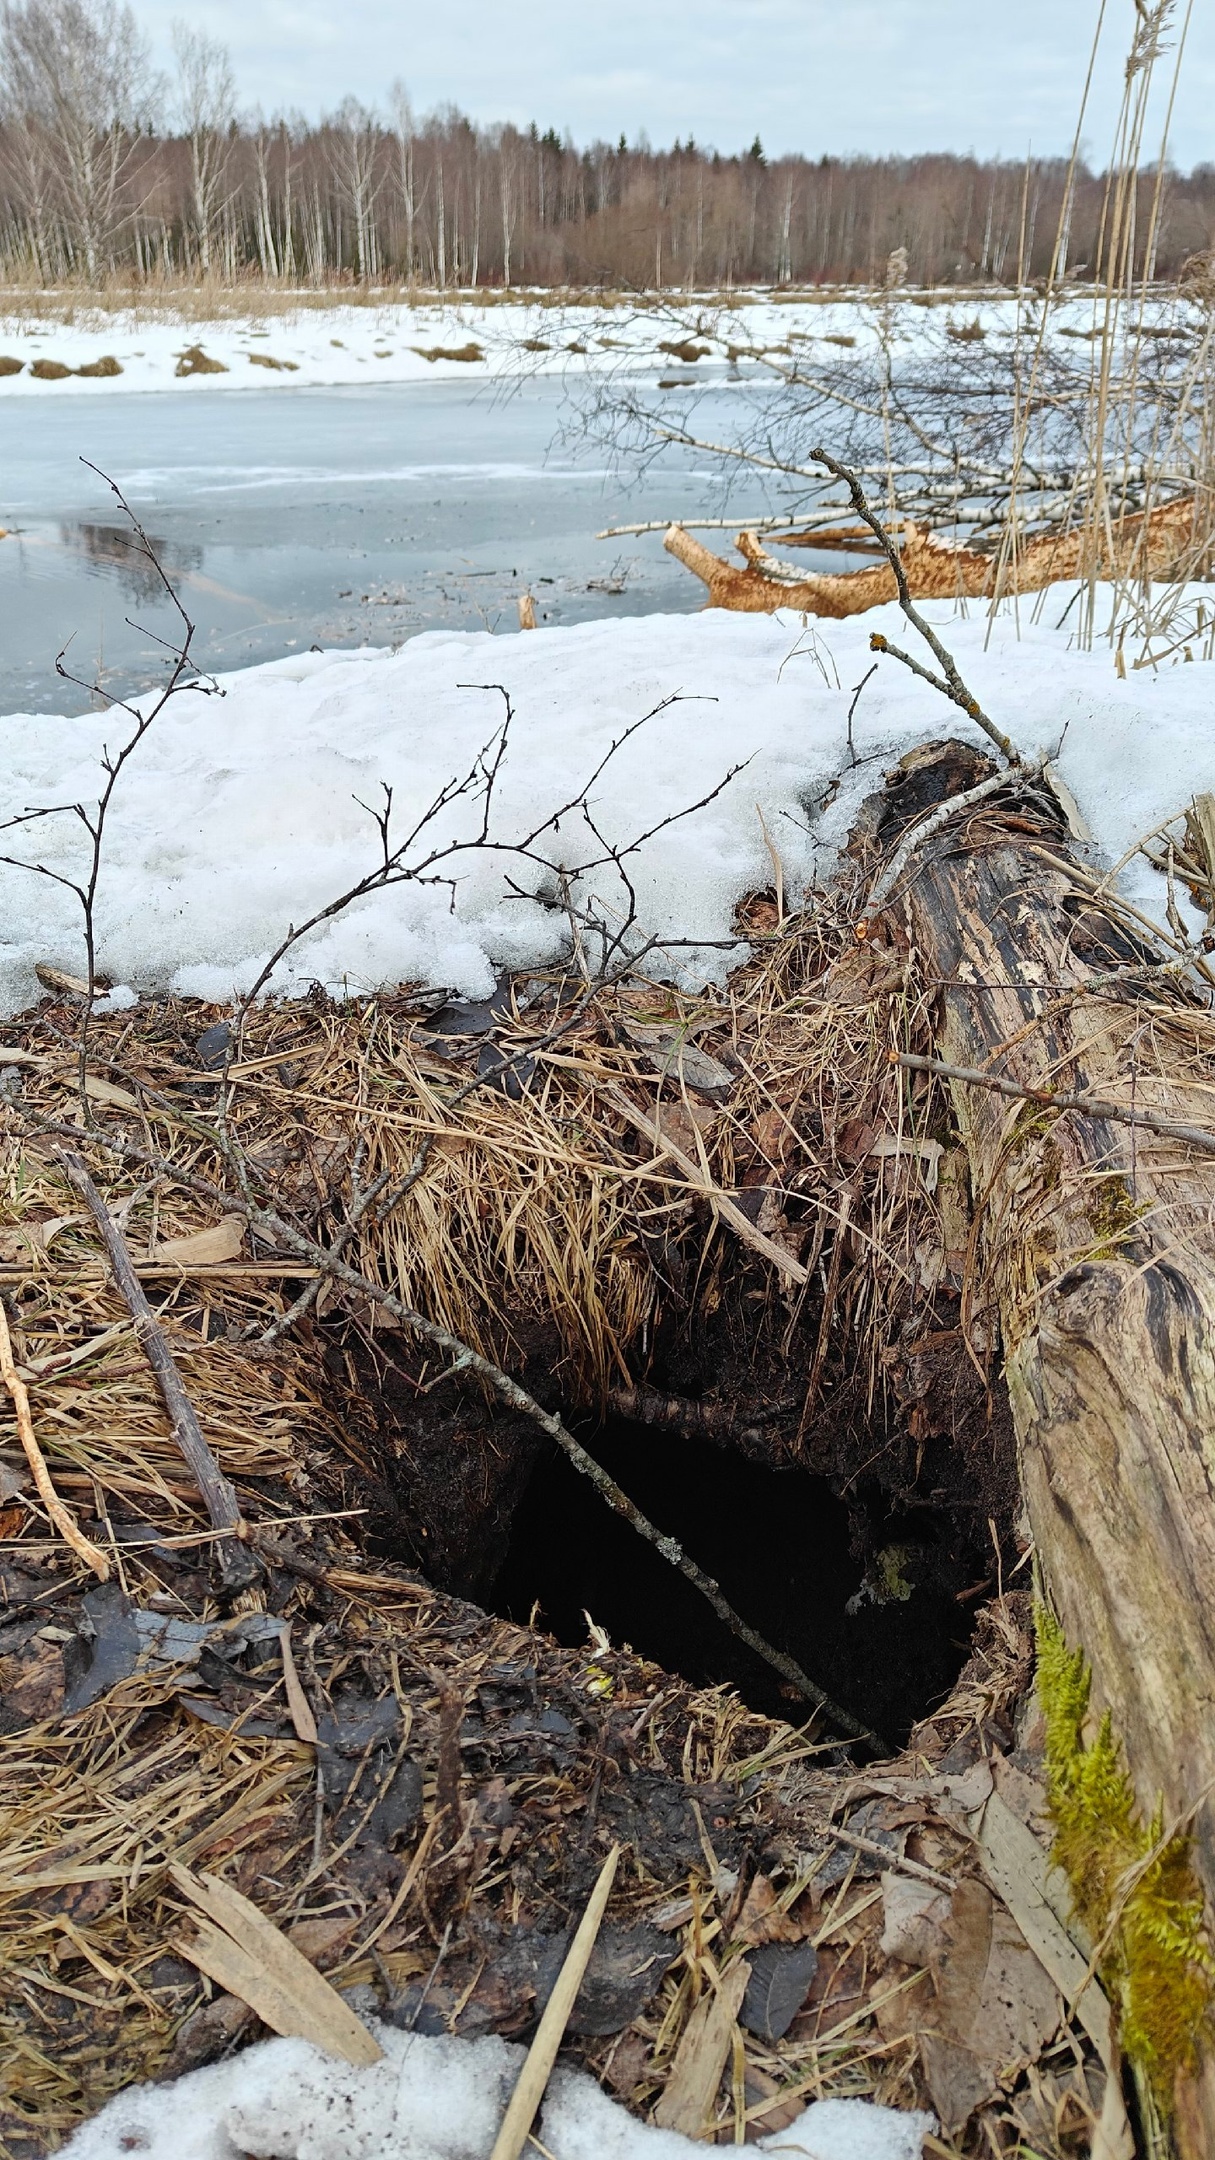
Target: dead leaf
x,y
781,1974
211,2030
23,1240
627,2064
915,1919
322,1940
774,1137
669,1052
32,1679
1035,1894
996,2006
204,1248
681,1122
761,1919
104,1091
902,1145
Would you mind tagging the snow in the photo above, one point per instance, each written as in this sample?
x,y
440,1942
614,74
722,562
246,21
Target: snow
x,y
302,341
242,814
428,2099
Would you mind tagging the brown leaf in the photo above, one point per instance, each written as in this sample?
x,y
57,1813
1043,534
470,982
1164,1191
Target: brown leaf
x,y
996,2007
32,1680
916,1919
323,1939
762,1921
680,1122
773,1137
210,2031
203,1248
627,2064
27,1239
854,1140
669,1052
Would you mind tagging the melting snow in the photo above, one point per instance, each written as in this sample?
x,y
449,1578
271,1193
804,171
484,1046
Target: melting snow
x,y
242,815
429,2099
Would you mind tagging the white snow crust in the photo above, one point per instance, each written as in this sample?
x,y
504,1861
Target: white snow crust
x,y
240,815
393,340
428,2099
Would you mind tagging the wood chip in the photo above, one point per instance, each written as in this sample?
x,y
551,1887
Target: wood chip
x,y
242,1951
297,1701
701,2056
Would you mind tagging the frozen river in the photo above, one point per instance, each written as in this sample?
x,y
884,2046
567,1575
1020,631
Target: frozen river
x,y
310,516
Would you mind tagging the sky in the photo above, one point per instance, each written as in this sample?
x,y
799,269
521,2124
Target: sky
x,y
992,76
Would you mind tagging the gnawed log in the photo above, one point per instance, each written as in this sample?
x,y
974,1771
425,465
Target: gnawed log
x,y
1153,543
1094,1249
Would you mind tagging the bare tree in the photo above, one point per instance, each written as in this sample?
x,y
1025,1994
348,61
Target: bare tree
x,y
206,99
356,138
79,70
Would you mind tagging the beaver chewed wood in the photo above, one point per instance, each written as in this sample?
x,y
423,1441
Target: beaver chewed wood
x,y
1094,1251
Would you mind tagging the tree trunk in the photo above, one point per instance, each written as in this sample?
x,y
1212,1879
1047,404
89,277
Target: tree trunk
x,y
1096,1253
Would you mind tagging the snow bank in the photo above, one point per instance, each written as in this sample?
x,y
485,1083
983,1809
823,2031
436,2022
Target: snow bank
x,y
394,341
429,2099
241,815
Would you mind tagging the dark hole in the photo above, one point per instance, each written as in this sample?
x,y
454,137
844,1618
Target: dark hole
x,y
791,1558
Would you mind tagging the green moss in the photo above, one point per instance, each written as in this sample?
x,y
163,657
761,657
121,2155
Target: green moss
x,y
889,1570
1113,1214
1135,1891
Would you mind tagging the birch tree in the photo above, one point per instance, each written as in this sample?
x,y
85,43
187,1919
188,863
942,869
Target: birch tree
x,y
79,70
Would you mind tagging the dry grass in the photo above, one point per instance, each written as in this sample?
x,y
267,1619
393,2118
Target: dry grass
x,y
544,1214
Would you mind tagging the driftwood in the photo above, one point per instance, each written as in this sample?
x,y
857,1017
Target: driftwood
x,y
1096,1241
1152,543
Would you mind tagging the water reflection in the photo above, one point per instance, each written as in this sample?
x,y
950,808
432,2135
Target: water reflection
x,y
115,548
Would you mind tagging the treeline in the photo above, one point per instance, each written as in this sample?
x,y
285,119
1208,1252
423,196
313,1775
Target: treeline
x,y
106,169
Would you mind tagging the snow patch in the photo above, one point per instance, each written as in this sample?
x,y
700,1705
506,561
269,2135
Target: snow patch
x,y
243,814
429,2099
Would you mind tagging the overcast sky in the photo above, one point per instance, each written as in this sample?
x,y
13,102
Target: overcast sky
x,y
809,75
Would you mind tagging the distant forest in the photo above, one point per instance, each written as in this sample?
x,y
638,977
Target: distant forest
x,y
107,170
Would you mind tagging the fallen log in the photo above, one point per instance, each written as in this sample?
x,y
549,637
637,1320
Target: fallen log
x,y
1093,1250
1153,544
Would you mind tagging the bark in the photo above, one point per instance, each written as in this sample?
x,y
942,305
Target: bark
x,y
1155,543
1097,1246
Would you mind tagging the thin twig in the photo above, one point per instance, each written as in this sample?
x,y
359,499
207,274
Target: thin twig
x,y
932,823
1093,1106
276,1228
948,682
238,1566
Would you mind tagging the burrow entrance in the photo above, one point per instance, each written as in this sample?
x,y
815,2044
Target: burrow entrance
x,y
886,1634
871,1586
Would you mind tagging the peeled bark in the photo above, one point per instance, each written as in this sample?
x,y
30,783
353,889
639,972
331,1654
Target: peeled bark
x,y
1156,543
1097,1252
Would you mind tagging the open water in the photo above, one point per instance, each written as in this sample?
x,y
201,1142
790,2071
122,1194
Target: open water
x,y
288,518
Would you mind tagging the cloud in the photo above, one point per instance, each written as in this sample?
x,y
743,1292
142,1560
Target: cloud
x,y
808,75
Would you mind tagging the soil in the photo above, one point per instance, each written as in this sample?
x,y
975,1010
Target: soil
x,y
864,1548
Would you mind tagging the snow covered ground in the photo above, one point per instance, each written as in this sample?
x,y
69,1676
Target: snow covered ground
x,y
242,814
393,341
430,2099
